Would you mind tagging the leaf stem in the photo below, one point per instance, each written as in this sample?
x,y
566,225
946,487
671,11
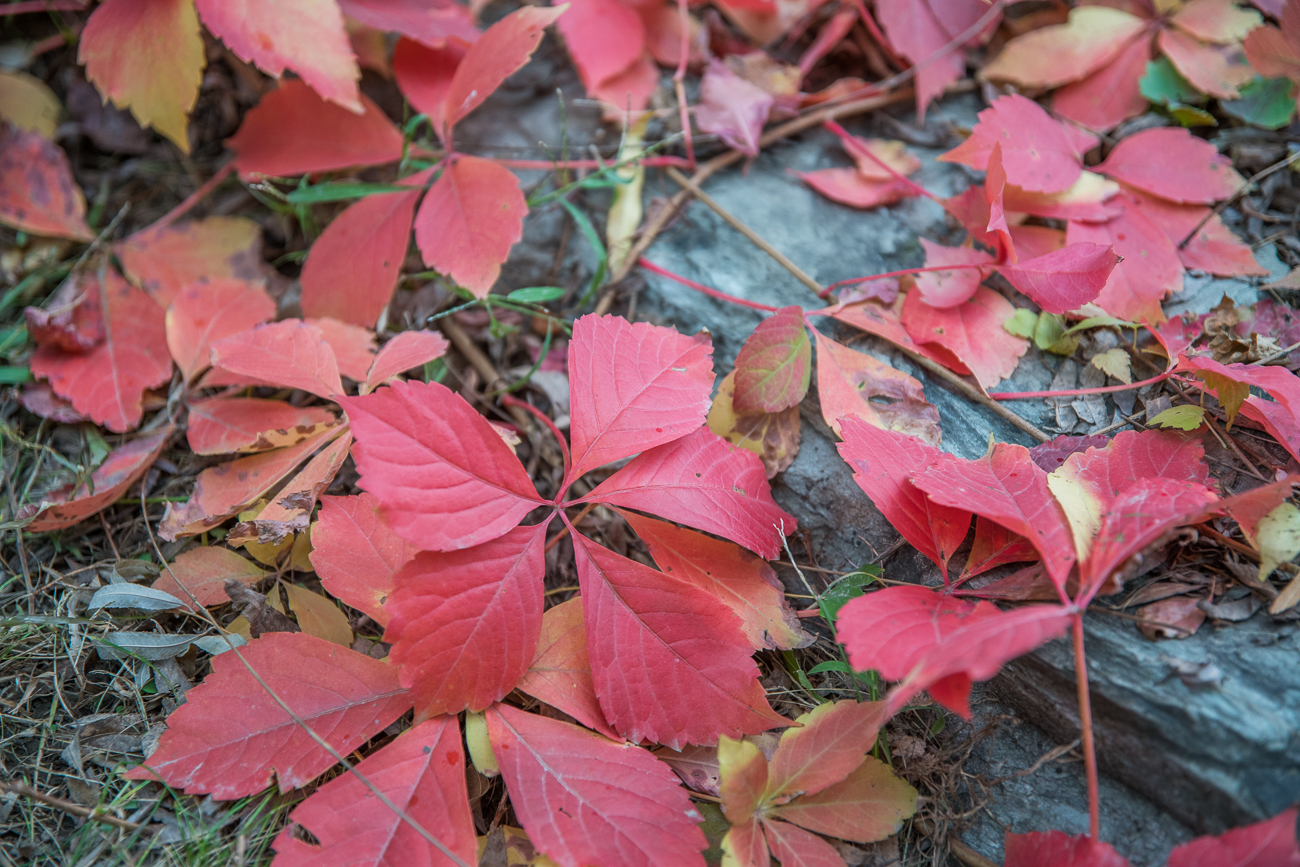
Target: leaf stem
x,y
903,273
1085,725
700,287
510,400
847,139
1105,389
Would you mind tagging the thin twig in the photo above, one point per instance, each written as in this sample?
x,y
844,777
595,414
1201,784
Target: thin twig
x,y
68,806
1219,208
1276,355
193,198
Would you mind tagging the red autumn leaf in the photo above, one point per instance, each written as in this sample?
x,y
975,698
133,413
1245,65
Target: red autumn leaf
x,y
291,353
432,23
742,778
943,289
633,387
72,319
223,490
422,773
743,582
1112,94
795,847
1172,164
703,481
160,87
220,425
203,313
444,475
1066,279
502,49
560,674
469,220
465,624
75,502
1040,154
231,736
1213,248
165,260
40,399
1150,269
972,331
1056,849
306,36
1271,843
202,573
732,108
1052,454
631,89
424,73
406,351
1217,70
604,38
832,743
292,131
353,345
922,31
774,367
929,641
849,187
692,678
584,799
744,843
847,382
1249,509
882,321
352,268
869,804
1006,486
37,192
108,383
995,545
995,184
356,554
883,462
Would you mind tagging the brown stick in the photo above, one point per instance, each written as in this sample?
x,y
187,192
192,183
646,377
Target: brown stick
x,y
69,807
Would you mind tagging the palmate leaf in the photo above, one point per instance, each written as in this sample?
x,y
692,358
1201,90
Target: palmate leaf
x,y
166,259
1042,154
560,674
37,191
291,353
221,425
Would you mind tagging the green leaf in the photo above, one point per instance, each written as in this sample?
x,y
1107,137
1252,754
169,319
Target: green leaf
x,y
1163,86
339,191
1050,335
1187,417
536,294
848,587
831,665
1264,102
1278,535
602,256
1021,323
14,374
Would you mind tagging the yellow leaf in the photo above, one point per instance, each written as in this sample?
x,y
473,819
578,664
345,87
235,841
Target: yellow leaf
x,y
773,436
625,211
1082,508
1114,362
1181,417
480,749
1278,538
28,104
319,616
1231,394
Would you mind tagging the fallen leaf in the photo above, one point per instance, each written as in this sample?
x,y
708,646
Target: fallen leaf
x,y
1144,160
1041,154
732,108
847,382
972,331
291,352
773,436
774,366
944,289
198,576
319,616
37,192
220,425
1180,615
869,805
203,313
405,351
165,260
356,554
28,103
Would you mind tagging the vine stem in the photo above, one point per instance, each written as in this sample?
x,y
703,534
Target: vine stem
x,y
1074,392
679,79
903,273
649,162
565,530
1085,725
847,138
510,400
195,197
700,287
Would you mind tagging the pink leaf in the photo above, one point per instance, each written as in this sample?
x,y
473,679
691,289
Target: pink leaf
x,y
356,554
406,351
560,674
1214,248
353,345
633,387
732,108
469,220
291,353
745,843
1150,269
1064,279
943,289
669,662
230,736
432,22
37,191
423,773
204,313
1112,94
849,187
292,131
995,545
1041,154
584,799
1171,163
972,331
465,623
703,481
1264,844
1058,849
795,847
604,38
444,475
218,425
424,73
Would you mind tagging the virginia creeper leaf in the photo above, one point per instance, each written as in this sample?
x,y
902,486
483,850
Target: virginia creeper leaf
x,y
353,345
870,804
832,743
204,313
406,351
560,674
773,436
424,73
319,616
774,367
847,381
37,191
433,24
742,770
732,108
291,353
356,553
164,260
1113,94
218,425
604,38
849,187
230,736
943,289
290,510
1053,848
1200,174
995,545
922,32
1054,55
795,847
1041,154
745,847
1066,279
1263,844
972,331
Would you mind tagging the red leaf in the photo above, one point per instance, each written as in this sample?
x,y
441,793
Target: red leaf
x,y
406,351
465,624
352,268
1006,486
433,23
584,799
1112,94
742,779
971,331
883,463
560,674
1058,849
795,847
1214,248
75,502
442,473
732,108
604,38
167,259
292,131
1264,844
631,89
353,345
1065,279
849,187
290,509
424,73
230,735
930,641
356,554
1149,272
869,805
883,322
37,192
203,572
633,387
774,367
744,843
502,49
469,219
943,289
847,381
219,425
108,383
306,36
1041,154
995,545
204,313
832,743
1173,164
1249,509
703,481
995,182
39,398
744,583
1052,454
669,662
922,32
160,87
72,318
291,353
423,773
